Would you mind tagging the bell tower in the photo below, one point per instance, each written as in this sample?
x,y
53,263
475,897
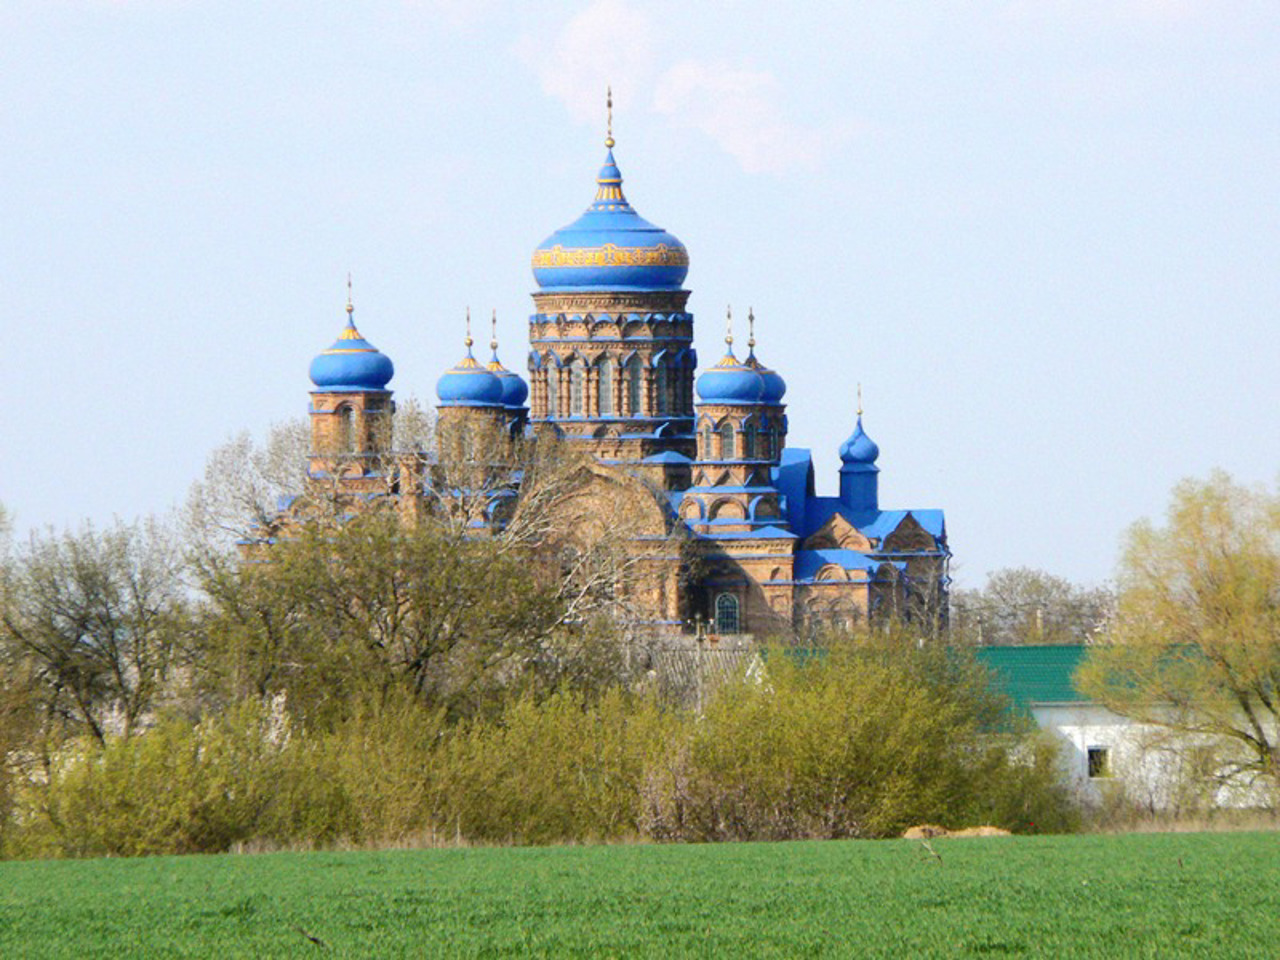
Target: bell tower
x,y
611,363
351,407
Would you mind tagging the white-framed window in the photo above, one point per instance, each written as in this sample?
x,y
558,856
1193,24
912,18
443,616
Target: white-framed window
x,y
553,391
727,610
635,385
605,385
577,388
726,441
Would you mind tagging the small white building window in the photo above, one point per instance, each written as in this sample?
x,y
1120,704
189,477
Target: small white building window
x,y
1099,762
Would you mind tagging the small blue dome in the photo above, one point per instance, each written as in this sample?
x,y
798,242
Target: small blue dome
x,y
610,247
469,384
352,363
731,381
514,390
859,448
775,388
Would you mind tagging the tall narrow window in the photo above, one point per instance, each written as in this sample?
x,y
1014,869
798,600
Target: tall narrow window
x,y
771,442
1099,760
635,385
605,382
726,441
577,388
346,430
749,442
664,405
726,613
553,390
707,434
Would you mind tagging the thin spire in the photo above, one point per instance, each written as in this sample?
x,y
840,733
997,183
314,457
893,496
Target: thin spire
x,y
728,326
351,308
468,341
493,337
608,105
751,329
859,401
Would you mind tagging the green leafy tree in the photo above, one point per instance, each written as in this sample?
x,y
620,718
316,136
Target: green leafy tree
x,y
1195,645
371,603
95,620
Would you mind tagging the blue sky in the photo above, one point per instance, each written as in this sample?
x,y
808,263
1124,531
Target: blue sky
x,y
1042,234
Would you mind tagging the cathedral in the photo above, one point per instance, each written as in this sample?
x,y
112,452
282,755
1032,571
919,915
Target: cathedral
x,y
698,460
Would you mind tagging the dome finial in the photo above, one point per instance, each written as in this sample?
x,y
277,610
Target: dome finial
x,y
493,335
859,401
751,330
468,341
728,326
608,105
351,308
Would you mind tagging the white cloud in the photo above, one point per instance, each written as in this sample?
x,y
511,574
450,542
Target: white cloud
x,y
608,43
742,111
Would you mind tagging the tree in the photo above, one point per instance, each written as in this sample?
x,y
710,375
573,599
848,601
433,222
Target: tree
x,y
1195,646
340,610
94,621
1024,606
246,481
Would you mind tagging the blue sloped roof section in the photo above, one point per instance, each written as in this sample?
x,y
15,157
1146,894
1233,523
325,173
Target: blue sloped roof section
x,y
809,562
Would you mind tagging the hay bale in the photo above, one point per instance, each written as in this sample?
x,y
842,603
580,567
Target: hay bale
x,y
980,832
924,831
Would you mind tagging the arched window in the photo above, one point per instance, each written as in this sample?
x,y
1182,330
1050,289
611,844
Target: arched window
x,y
553,390
604,381
577,388
749,442
662,398
726,441
635,385
707,434
346,430
726,613
771,443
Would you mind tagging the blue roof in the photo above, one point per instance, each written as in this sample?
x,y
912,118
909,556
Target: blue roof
x,y
859,448
809,562
352,363
732,382
610,247
469,384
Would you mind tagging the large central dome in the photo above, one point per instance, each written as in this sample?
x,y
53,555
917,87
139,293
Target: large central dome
x,y
610,247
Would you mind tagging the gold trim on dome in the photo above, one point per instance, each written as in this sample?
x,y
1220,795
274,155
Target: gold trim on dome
x,y
609,192
468,363
611,255
333,350
350,333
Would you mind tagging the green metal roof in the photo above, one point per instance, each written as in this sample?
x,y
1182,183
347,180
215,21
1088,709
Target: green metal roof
x,y
1033,675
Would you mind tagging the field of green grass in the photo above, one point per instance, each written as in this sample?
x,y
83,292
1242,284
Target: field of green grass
x,y
1154,895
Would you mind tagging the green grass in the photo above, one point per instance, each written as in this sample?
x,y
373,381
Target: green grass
x,y
1165,895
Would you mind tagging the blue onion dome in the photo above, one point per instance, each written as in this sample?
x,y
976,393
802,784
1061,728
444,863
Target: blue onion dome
x,y
469,384
352,363
514,390
775,388
859,448
730,380
610,247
